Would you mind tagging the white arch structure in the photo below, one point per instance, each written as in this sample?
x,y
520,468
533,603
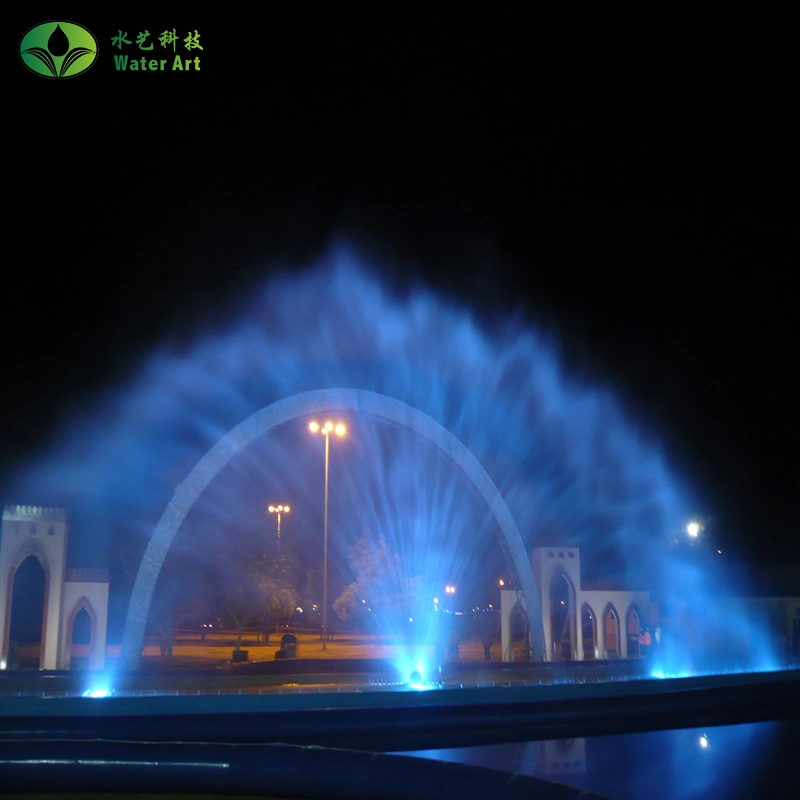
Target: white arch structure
x,y
318,401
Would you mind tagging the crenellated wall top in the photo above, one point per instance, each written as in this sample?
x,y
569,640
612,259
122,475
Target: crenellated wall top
x,y
26,513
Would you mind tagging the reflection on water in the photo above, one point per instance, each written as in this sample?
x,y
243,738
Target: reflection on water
x,y
725,763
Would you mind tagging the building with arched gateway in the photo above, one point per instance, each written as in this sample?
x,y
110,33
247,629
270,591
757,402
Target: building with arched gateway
x,y
61,616
595,620
582,621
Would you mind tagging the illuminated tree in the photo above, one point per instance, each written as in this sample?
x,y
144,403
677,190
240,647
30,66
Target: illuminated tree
x,y
382,588
281,594
258,590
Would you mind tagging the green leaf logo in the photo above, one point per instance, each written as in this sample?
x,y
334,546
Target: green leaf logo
x,y
58,49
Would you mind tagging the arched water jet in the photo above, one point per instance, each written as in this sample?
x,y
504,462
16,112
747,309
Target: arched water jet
x,y
571,465
376,405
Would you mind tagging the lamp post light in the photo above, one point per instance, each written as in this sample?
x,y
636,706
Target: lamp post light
x,y
279,510
326,430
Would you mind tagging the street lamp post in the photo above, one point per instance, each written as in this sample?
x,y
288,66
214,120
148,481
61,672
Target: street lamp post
x,y
279,510
326,431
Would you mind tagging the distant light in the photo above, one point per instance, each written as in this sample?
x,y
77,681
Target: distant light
x,y
410,619
436,600
693,529
340,430
329,426
490,605
2,663
719,551
502,582
299,609
562,602
313,427
272,509
363,601
703,742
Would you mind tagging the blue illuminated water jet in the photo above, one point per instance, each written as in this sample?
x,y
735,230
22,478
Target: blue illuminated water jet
x,y
570,464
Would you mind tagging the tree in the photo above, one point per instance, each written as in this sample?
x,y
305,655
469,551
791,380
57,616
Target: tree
x,y
281,594
176,599
244,594
259,589
382,588
168,612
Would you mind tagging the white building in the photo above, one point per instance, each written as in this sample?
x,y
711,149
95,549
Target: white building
x,y
581,622
74,599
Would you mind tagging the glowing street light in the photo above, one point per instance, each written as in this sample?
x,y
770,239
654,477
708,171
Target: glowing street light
x,y
326,430
279,510
693,529
450,589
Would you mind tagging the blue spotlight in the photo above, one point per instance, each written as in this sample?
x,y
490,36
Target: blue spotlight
x,y
97,693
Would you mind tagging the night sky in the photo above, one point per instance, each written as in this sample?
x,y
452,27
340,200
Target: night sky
x,y
638,203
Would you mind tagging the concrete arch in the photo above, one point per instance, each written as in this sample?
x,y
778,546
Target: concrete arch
x,y
376,405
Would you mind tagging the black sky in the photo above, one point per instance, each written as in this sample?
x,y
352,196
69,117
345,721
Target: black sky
x,y
641,202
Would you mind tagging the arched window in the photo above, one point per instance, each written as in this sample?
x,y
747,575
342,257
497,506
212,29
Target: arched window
x,y
561,617
611,631
82,628
28,601
520,633
81,634
588,632
633,627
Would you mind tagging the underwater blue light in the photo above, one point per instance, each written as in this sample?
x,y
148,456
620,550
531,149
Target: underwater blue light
x,y
97,693
417,680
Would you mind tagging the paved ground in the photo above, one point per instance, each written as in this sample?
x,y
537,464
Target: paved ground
x,y
190,651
